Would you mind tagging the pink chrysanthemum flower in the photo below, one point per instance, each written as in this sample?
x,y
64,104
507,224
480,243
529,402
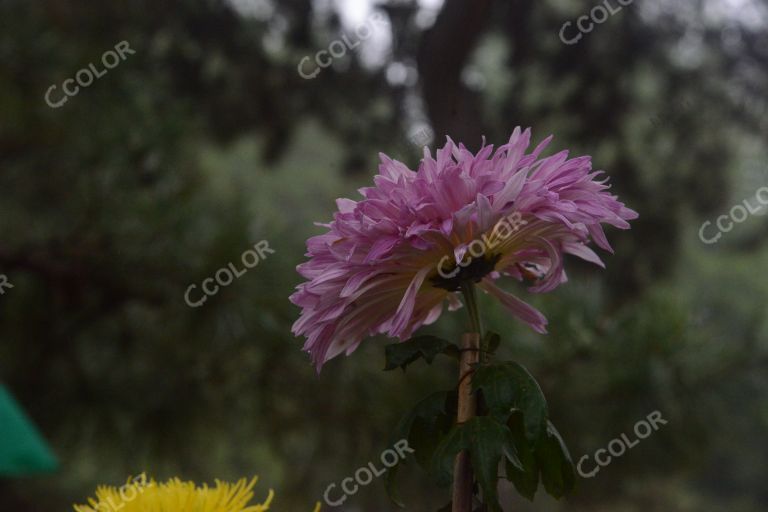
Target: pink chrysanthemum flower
x,y
392,261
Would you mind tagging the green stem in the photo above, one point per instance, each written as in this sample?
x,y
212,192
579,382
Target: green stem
x,y
470,298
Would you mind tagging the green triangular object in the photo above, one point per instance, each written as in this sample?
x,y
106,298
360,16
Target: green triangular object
x,y
22,449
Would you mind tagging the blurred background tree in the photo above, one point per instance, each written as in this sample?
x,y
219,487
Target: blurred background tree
x,y
208,140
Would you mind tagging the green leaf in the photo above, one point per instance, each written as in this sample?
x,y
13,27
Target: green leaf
x,y
557,472
426,435
390,485
507,386
400,355
487,441
441,468
434,413
424,427
491,341
525,474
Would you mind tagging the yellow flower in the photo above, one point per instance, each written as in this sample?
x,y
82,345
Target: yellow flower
x,y
139,495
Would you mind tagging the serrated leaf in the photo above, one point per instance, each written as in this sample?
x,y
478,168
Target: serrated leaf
x,y
441,467
487,441
432,410
508,386
557,473
525,475
426,435
423,426
400,355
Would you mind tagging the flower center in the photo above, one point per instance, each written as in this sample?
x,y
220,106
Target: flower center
x,y
451,278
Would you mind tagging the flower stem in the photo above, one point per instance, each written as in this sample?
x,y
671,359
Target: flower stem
x,y
463,476
470,297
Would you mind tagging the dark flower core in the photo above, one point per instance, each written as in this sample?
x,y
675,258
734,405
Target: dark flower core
x,y
477,269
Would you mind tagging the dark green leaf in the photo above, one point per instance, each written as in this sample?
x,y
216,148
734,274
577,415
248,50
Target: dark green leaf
x,y
508,386
525,474
557,472
487,441
424,426
441,468
426,434
400,355
430,411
